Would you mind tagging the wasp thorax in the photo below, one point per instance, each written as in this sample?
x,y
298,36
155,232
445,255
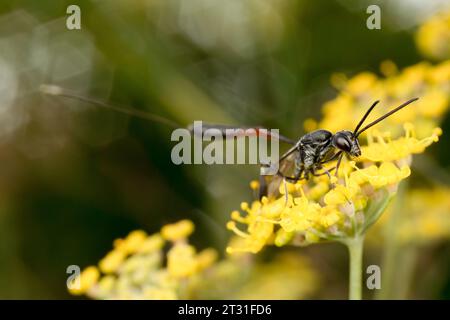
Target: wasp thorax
x,y
347,142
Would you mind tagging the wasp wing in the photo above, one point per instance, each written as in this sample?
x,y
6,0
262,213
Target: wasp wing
x,y
270,185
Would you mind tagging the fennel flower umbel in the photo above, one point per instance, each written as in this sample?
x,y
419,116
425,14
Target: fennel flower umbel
x,y
313,211
427,218
136,267
433,37
429,82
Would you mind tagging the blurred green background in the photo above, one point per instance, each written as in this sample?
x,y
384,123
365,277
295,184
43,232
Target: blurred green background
x,y
74,177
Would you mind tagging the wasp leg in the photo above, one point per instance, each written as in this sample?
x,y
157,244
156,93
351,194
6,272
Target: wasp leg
x,y
262,191
286,198
338,156
334,157
327,172
338,164
291,179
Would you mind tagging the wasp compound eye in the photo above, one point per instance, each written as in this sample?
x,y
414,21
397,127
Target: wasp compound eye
x,y
342,143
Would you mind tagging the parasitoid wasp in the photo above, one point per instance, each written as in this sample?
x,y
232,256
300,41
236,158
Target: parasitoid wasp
x,y
304,159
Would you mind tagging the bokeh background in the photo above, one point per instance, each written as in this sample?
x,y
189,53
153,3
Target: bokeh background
x,y
74,177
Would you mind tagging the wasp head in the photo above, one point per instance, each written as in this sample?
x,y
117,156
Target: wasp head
x,y
347,142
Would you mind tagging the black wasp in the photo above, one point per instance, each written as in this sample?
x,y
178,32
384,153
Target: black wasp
x,y
304,159
308,155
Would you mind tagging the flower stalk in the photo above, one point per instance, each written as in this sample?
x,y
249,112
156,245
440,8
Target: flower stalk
x,y
355,249
390,257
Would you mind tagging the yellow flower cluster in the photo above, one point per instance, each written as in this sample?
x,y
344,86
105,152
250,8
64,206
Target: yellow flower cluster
x,y
430,83
425,218
135,269
288,275
433,37
316,210
382,148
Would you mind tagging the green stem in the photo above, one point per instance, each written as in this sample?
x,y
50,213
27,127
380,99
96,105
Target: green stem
x,y
408,260
391,247
355,249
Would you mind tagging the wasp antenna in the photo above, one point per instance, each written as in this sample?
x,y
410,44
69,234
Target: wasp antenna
x,y
61,92
386,115
365,116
